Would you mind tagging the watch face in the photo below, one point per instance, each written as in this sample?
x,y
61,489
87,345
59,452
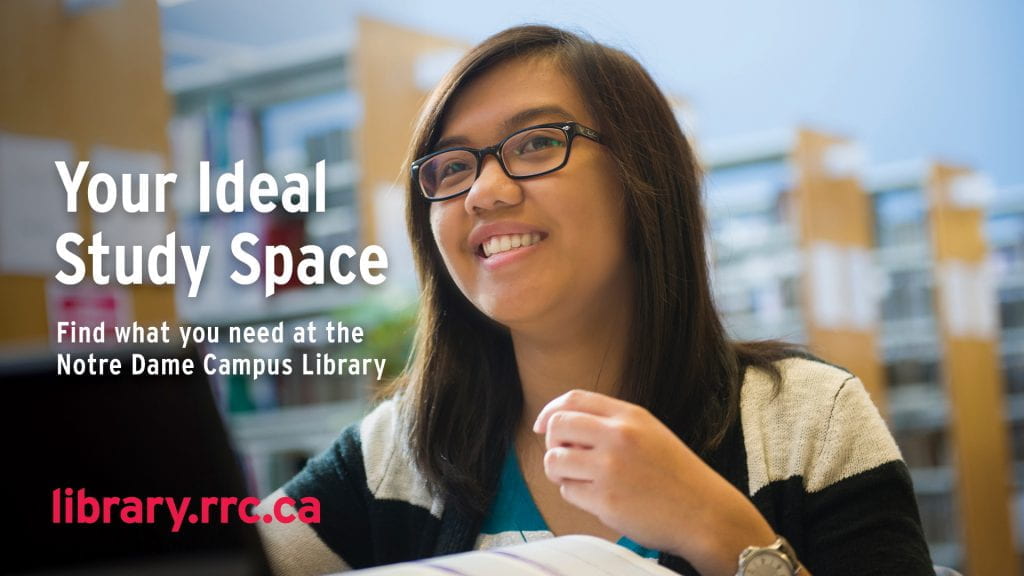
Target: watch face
x,y
767,563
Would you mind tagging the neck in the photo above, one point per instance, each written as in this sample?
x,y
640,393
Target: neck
x,y
590,357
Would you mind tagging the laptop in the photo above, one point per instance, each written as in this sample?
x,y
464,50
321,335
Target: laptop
x,y
78,443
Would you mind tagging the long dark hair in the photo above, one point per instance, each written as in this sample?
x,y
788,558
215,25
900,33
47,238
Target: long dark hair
x,y
460,396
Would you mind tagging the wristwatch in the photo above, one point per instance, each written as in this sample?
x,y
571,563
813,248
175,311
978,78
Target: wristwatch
x,y
778,559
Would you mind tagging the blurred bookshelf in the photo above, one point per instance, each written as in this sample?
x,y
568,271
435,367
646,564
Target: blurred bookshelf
x,y
278,121
758,204
784,266
350,103
911,351
914,352
279,117
753,236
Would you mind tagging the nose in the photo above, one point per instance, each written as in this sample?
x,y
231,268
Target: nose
x,y
493,188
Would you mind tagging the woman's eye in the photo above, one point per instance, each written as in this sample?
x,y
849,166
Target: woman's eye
x,y
452,168
538,143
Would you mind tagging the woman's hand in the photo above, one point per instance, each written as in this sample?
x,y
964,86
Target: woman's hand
x,y
620,463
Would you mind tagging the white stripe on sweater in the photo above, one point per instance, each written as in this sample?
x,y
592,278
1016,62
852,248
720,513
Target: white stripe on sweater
x,y
390,473
822,427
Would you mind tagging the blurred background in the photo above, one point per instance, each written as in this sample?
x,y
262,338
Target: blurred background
x,y
864,186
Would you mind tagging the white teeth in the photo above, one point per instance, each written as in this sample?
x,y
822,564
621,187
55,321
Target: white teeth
x,y
499,244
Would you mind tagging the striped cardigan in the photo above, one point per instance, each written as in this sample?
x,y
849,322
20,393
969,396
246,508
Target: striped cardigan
x,y
816,460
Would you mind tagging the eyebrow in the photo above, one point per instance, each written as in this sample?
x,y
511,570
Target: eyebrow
x,y
512,123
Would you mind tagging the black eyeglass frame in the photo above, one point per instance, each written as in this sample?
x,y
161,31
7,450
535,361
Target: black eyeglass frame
x,y
571,129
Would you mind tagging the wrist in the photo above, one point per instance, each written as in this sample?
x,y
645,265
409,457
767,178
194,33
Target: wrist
x,y
715,549
724,524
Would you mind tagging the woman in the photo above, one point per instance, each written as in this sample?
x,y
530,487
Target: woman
x,y
570,372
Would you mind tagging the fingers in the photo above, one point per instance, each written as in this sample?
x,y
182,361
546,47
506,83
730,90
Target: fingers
x,y
579,493
576,429
580,401
569,465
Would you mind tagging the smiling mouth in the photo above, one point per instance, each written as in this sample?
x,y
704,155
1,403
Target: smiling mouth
x,y
507,242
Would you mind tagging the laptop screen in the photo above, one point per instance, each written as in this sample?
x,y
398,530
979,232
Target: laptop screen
x,y
109,474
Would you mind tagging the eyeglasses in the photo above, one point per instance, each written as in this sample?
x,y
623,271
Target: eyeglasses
x,y
529,152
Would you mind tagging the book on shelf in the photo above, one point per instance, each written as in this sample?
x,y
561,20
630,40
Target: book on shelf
x,y
575,555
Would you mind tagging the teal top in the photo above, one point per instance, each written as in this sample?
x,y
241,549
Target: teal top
x,y
514,510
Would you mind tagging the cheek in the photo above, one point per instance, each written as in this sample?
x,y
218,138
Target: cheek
x,y
606,205
445,235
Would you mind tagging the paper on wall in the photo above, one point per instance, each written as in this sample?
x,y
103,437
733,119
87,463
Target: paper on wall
x,y
33,210
986,301
844,287
968,298
87,305
430,68
955,293
862,288
845,160
828,295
